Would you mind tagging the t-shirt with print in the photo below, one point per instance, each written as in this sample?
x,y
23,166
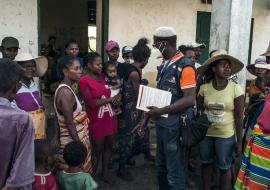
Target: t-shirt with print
x,y
219,107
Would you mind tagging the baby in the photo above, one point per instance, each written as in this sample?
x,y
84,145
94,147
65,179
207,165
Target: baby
x,y
114,83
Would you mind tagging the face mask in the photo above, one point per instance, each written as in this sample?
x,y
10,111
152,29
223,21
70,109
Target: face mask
x,y
162,49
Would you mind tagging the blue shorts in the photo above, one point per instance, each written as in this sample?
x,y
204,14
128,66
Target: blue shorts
x,y
219,148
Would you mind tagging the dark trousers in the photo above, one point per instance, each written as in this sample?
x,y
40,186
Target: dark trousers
x,y
131,144
193,168
170,159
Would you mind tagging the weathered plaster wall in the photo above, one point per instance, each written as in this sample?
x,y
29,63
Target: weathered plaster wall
x,y
19,19
66,19
131,20
261,32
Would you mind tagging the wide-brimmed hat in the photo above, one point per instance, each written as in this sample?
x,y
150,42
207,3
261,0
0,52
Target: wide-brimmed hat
x,y
41,62
267,53
251,67
266,66
236,65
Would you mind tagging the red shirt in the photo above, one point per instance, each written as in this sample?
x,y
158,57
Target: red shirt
x,y
45,182
103,121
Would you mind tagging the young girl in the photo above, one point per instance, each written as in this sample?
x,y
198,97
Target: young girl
x,y
28,97
44,179
73,178
223,102
103,122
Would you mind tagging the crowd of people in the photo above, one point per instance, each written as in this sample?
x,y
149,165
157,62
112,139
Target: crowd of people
x,y
96,117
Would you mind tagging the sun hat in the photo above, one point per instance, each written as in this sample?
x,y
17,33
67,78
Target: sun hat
x,y
236,65
263,66
110,45
10,42
258,61
41,62
164,32
267,53
127,49
195,45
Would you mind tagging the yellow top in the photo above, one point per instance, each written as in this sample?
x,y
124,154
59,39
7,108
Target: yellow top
x,y
219,107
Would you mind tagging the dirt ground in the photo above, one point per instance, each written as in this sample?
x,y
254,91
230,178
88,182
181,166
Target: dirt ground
x,y
144,172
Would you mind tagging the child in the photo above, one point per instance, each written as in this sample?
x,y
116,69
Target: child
x,y
44,179
73,178
114,82
127,54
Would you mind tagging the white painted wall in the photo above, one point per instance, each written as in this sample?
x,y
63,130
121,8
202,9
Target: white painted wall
x,y
261,32
20,19
131,20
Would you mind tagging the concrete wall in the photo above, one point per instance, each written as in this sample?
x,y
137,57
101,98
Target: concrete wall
x,y
131,20
261,32
19,19
66,19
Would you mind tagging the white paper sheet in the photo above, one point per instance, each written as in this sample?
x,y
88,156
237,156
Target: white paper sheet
x,y
149,96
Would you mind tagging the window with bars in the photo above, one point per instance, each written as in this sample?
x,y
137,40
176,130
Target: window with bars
x,y
92,12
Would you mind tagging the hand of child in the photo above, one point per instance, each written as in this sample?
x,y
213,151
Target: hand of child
x,y
117,111
116,100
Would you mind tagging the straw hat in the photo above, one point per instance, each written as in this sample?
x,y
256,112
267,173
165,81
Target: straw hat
x,y
258,61
41,62
236,65
267,53
266,66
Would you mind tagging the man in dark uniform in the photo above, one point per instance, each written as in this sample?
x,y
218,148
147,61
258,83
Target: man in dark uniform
x,y
170,154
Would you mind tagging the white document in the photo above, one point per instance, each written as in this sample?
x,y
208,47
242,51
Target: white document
x,y
149,96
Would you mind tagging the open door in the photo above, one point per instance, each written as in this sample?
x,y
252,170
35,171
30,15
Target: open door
x,y
203,32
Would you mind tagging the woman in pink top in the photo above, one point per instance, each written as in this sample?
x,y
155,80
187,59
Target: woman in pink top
x,y
103,121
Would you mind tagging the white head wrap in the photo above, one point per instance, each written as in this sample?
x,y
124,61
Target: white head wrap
x,y
165,31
